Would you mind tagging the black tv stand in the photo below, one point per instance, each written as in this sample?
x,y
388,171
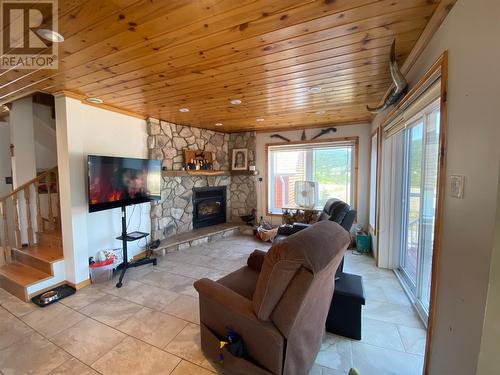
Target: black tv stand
x,y
129,237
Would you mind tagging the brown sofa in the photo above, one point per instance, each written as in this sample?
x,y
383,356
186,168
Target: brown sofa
x,y
278,303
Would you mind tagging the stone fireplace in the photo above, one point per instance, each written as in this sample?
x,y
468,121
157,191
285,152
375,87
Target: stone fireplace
x,y
209,206
175,211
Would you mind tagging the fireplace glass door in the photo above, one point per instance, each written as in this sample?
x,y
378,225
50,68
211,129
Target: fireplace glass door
x,y
208,208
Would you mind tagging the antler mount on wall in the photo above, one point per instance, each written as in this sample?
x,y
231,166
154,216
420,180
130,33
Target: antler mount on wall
x,y
400,84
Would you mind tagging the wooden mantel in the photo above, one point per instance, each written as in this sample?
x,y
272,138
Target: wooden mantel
x,y
207,173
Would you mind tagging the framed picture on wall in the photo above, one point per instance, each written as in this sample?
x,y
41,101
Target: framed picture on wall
x,y
239,159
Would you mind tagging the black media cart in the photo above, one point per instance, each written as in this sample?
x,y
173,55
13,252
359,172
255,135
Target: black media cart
x,y
129,237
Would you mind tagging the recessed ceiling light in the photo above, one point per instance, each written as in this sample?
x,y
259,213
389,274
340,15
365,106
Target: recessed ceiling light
x,y
259,119
219,124
235,101
94,100
184,110
314,90
320,112
50,35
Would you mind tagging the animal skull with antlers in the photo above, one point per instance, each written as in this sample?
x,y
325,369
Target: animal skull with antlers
x,y
400,84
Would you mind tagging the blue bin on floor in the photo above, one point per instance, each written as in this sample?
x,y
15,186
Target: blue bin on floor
x,y
363,242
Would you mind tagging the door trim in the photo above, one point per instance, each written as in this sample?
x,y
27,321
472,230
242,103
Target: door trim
x,y
440,65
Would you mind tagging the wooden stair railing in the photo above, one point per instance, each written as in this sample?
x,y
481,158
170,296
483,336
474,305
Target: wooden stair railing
x,y
17,229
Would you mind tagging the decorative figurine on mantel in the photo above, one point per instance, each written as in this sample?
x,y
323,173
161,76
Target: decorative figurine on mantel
x,y
191,165
206,165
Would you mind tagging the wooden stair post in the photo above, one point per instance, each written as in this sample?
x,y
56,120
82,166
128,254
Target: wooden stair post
x,y
39,221
17,228
28,216
49,196
5,254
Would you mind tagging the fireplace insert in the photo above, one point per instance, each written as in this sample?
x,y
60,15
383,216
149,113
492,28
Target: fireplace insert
x,y
209,206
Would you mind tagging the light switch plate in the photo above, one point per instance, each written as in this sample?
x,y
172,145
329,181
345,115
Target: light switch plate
x,y
457,186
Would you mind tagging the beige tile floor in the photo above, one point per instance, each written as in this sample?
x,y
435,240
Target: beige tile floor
x,y
150,325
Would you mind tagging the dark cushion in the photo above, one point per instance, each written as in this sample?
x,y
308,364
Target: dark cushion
x,y
330,203
279,237
256,259
349,220
339,212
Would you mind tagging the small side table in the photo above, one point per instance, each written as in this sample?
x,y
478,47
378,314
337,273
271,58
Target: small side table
x,y
344,317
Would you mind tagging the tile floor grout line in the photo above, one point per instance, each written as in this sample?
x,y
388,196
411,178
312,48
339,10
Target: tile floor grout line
x,y
52,342
389,349
126,336
95,320
117,329
402,341
114,346
108,294
177,365
397,324
69,359
133,337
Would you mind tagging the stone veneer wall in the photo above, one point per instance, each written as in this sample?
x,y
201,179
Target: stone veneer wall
x,y
166,142
243,193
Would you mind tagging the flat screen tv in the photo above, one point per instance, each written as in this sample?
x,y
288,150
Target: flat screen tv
x,y
117,182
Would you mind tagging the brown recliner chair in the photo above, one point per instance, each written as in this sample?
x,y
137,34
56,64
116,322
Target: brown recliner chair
x,y
278,303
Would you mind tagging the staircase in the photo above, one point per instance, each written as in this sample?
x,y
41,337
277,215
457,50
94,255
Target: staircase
x,y
31,251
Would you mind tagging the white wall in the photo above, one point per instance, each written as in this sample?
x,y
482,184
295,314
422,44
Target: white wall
x,y
23,138
362,131
112,134
45,137
470,34
84,130
5,163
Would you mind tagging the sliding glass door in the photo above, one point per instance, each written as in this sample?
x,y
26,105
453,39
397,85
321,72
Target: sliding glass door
x,y
412,199
419,205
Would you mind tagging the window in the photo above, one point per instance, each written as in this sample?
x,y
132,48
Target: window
x,y
300,174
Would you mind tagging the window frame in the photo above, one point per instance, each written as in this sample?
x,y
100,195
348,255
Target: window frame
x,y
354,140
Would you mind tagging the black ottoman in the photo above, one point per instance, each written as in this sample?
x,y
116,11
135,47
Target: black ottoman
x,y
344,317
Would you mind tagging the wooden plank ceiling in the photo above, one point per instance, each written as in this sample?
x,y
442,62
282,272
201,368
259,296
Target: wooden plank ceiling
x,y
153,57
